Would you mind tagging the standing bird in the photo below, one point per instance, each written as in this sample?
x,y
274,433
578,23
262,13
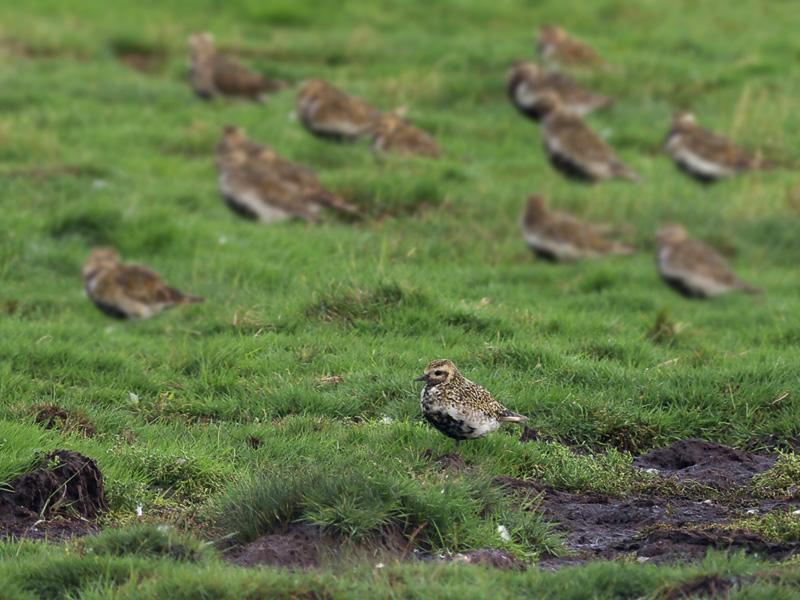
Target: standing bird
x,y
459,408
705,155
213,74
527,81
558,236
329,113
556,47
128,291
693,268
258,184
392,133
574,149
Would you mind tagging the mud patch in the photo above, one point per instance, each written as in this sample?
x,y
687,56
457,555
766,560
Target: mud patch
x,y
60,498
303,546
675,525
140,56
710,464
50,416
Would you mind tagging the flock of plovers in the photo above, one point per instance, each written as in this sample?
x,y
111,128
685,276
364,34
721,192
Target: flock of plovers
x,y
257,183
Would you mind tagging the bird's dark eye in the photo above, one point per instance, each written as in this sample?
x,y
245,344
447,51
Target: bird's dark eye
x,y
438,373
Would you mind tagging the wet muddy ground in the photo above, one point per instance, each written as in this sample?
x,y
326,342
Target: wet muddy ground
x,y
705,492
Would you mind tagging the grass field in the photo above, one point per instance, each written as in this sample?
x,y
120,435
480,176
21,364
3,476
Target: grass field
x,y
218,418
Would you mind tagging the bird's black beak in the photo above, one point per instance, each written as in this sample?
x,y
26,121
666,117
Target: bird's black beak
x,y
422,378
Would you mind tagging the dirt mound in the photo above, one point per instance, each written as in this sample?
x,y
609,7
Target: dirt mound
x,y
711,464
51,416
302,546
66,484
299,546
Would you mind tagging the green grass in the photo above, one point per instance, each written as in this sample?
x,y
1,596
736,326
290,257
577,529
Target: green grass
x,y
599,354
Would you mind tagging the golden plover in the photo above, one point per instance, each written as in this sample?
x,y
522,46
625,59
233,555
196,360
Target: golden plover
x,y
527,81
258,184
705,155
556,47
127,291
574,149
328,112
392,133
693,268
459,408
559,236
214,74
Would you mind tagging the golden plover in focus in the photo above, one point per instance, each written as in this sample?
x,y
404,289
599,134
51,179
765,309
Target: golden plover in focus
x,y
392,133
705,155
556,47
258,184
693,268
559,236
213,74
328,112
459,408
574,149
127,291
527,81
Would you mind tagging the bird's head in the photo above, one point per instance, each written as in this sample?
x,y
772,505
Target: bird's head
x,y
100,258
683,118
551,33
524,68
548,102
439,371
671,234
201,42
535,209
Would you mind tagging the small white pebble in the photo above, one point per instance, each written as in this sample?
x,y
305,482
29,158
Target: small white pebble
x,y
99,184
652,471
708,501
796,512
379,565
752,511
642,559
139,511
504,535
133,397
386,419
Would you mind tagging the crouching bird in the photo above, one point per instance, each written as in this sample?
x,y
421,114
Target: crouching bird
x,y
694,268
128,291
459,408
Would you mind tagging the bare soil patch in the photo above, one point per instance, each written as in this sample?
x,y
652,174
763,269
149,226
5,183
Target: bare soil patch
x,y
303,546
669,527
60,498
51,416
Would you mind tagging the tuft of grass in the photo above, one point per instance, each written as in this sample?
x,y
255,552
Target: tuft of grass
x,y
147,541
782,480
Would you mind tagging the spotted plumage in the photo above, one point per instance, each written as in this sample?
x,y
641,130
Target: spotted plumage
x,y
394,134
128,291
328,112
459,408
574,149
527,81
559,236
214,74
556,47
258,184
693,268
705,155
